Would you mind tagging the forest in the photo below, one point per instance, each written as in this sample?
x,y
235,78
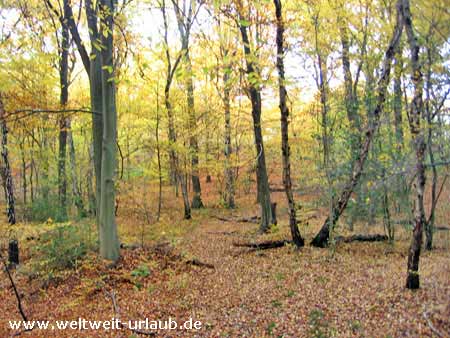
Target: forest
x,y
225,168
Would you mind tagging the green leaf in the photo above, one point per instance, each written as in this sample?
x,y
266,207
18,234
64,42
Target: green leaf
x,y
244,23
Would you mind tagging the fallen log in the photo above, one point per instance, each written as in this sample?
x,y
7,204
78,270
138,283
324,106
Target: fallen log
x,y
224,233
361,238
263,245
196,262
252,219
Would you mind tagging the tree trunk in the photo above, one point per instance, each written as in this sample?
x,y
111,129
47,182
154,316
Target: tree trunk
x,y
24,171
64,97
9,187
97,124
184,20
176,173
78,198
285,150
418,137
229,174
109,241
429,225
158,153
398,119
262,179
351,99
321,239
89,183
193,142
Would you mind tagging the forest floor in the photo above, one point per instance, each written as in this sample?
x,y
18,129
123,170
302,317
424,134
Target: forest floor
x,y
356,290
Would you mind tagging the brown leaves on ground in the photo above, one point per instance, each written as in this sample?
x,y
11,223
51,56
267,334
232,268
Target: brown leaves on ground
x,y
356,292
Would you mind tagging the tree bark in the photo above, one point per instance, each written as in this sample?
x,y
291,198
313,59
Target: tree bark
x,y
64,98
93,66
398,119
109,241
178,176
429,225
285,150
418,137
78,198
185,21
8,182
321,239
262,179
351,98
228,150
158,153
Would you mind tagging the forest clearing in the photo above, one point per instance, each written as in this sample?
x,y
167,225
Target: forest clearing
x,y
226,168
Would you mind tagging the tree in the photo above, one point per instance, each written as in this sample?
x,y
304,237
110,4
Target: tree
x,y
262,179
415,119
174,160
296,236
109,241
321,238
93,66
6,169
63,40
185,18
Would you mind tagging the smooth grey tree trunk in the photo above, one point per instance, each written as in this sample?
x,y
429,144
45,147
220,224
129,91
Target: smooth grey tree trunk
x,y
109,240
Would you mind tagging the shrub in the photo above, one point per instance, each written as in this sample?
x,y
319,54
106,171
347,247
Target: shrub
x,y
42,209
62,247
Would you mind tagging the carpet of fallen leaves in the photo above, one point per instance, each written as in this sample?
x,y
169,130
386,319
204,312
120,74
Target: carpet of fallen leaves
x,y
356,290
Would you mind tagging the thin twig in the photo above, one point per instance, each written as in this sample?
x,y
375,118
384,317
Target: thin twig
x,y
112,295
19,302
430,324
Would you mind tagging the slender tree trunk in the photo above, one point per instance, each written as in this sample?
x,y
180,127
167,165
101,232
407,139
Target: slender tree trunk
x,y
89,183
97,125
24,171
351,99
179,176
429,225
64,97
229,174
321,239
296,236
8,181
158,153
193,142
78,198
185,21
176,173
418,137
398,119
262,179
109,240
